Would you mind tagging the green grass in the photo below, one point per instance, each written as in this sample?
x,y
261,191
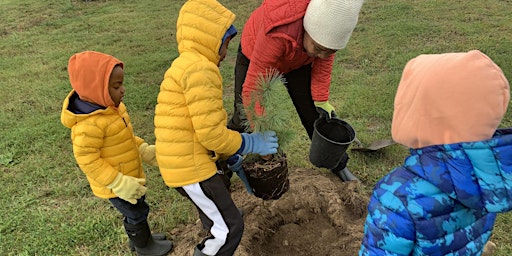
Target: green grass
x,y
46,206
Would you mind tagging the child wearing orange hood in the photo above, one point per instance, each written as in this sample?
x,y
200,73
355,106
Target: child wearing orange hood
x,y
105,147
444,198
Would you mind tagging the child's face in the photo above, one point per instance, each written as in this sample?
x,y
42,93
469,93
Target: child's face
x,y
115,85
224,50
313,49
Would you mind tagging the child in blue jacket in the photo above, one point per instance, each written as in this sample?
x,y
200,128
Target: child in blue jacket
x,y
444,199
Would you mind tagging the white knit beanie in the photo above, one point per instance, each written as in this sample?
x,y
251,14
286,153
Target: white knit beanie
x,y
331,22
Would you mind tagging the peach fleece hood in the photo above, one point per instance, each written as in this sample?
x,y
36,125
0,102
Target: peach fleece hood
x,y
449,98
89,74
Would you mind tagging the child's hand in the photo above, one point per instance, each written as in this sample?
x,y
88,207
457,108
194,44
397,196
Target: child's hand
x,y
264,143
147,153
128,188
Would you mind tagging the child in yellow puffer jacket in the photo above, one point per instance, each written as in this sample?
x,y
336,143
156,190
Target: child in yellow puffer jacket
x,y
105,146
190,125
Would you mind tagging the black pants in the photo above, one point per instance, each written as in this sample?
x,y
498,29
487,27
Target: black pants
x,y
218,213
298,85
133,213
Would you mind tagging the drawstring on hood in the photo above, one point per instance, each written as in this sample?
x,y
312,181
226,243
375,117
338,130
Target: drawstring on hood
x,y
89,74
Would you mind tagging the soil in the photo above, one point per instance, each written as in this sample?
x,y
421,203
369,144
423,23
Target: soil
x,y
268,177
318,215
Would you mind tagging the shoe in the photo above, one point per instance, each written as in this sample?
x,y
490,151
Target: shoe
x,y
145,245
155,248
346,175
156,236
198,252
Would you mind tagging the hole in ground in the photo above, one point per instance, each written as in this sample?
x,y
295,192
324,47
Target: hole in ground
x,y
319,215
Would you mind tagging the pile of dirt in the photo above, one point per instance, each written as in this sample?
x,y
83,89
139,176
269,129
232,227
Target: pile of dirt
x,y
319,215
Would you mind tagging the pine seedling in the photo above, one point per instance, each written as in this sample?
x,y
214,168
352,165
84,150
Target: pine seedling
x,y
270,94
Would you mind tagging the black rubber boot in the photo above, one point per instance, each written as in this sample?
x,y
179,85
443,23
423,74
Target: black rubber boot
x,y
143,241
346,175
198,252
156,236
343,172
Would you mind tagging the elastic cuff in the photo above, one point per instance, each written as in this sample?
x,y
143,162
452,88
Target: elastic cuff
x,y
242,146
232,159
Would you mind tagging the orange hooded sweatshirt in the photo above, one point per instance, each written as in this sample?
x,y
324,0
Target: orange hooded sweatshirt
x,y
449,98
89,73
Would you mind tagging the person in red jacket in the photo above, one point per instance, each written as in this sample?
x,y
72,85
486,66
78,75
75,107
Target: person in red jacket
x,y
299,38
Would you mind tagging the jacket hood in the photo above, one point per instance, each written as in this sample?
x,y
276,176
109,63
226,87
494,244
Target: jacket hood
x,y
283,12
89,74
201,26
477,174
67,117
449,98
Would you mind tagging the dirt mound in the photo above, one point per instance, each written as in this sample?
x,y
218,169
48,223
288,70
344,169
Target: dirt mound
x,y
319,215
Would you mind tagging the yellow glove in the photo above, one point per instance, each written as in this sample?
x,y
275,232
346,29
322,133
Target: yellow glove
x,y
147,153
325,108
128,188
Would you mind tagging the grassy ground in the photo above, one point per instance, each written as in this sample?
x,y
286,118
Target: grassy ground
x,y
46,207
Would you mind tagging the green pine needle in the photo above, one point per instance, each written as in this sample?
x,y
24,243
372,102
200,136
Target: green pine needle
x,y
271,94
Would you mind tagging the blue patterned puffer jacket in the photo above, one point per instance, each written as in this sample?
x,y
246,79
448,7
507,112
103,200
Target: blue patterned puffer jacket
x,y
442,201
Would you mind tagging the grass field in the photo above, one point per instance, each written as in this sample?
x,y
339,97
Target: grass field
x,y
46,207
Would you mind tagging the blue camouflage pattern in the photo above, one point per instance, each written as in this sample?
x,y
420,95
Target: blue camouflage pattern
x,y
442,201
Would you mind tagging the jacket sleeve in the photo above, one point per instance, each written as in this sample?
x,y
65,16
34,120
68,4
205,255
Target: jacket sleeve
x,y
389,229
138,141
321,78
87,144
202,89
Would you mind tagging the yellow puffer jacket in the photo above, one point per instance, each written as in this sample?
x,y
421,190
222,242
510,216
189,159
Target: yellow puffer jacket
x,y
103,145
190,119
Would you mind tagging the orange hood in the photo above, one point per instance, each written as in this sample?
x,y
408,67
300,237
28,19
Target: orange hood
x,y
449,98
89,74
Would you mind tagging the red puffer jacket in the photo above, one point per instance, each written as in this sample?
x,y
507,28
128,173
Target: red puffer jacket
x,y
272,38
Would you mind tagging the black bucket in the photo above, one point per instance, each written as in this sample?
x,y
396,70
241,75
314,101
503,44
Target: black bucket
x,y
331,139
